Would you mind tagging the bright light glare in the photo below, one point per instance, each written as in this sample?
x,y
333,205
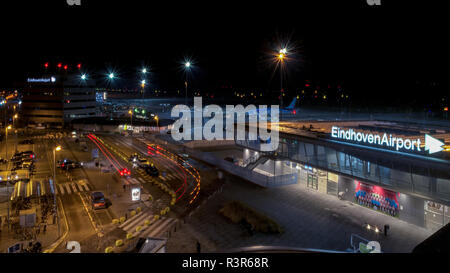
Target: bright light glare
x,y
58,148
111,75
144,70
143,82
281,56
283,50
188,64
83,77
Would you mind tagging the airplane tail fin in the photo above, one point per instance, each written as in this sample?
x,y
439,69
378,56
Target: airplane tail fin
x,y
292,105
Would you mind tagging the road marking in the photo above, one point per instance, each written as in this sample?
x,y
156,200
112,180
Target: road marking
x,y
67,188
162,178
134,181
162,226
61,189
86,187
134,221
74,187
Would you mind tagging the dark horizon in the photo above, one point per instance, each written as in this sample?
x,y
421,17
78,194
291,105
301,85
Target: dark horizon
x,y
362,49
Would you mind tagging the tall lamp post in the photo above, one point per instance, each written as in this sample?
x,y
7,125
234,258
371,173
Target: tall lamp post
x,y
157,123
9,127
281,57
187,67
144,72
14,118
56,149
131,117
7,164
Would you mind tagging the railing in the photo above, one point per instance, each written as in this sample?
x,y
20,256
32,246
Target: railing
x,y
251,159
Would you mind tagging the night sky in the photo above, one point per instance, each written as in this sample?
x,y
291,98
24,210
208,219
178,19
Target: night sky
x,y
378,52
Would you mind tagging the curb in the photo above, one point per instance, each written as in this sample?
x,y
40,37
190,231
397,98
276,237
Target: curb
x,y
53,246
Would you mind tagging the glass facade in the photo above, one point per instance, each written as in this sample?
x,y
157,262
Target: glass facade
x,y
386,170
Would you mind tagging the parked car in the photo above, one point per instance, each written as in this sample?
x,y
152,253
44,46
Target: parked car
x,y
68,164
98,200
20,155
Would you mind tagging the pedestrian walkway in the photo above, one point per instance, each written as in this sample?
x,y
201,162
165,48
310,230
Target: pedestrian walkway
x,y
72,187
157,228
168,177
131,181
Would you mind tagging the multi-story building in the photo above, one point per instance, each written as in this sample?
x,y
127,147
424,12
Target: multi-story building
x,y
51,101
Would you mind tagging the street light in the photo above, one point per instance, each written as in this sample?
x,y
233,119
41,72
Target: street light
x,y
111,75
187,67
144,70
56,149
83,77
281,56
131,116
157,122
6,140
14,118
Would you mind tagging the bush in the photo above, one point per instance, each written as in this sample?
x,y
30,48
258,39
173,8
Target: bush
x,y
129,236
119,243
109,249
115,221
138,209
133,213
238,212
122,219
138,228
147,222
156,217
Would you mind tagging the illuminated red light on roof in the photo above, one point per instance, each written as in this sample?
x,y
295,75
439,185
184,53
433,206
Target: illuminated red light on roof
x,y
59,65
65,67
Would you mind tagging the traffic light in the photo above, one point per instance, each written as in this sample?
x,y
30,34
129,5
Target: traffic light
x,y
46,65
65,67
79,66
59,65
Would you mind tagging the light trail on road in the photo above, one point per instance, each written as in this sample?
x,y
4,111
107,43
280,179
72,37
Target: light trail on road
x,y
94,140
173,168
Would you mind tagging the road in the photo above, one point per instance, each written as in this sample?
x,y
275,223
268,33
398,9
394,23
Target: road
x,y
171,173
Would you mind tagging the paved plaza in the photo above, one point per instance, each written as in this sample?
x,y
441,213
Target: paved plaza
x,y
309,219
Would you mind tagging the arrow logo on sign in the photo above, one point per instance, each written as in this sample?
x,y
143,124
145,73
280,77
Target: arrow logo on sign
x,y
433,145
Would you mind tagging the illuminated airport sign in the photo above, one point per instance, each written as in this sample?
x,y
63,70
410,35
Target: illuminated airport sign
x,y
432,145
51,79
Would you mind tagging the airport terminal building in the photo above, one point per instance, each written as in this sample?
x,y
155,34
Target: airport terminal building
x,y
53,100
399,169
